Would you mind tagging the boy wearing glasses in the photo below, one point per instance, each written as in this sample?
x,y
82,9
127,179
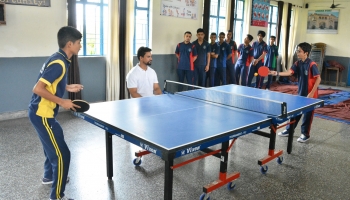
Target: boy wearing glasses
x,y
308,81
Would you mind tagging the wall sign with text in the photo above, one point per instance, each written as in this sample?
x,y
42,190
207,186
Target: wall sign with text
x,y
181,9
260,13
39,3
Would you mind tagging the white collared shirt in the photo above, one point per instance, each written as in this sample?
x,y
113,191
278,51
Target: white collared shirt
x,y
141,79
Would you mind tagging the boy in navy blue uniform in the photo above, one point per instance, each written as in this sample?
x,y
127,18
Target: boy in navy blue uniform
x,y
225,51
245,57
260,50
201,64
214,54
230,62
186,54
271,60
308,81
43,108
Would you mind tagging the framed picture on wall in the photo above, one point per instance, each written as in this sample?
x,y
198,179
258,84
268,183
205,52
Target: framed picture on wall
x,y
323,21
2,14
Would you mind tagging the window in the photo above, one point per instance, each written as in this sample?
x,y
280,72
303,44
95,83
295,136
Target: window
x,y
217,21
238,22
92,22
141,24
272,23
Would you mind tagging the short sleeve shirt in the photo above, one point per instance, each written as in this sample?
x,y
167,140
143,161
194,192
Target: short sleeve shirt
x,y
233,46
244,54
54,74
186,53
141,79
306,72
202,53
259,48
225,50
270,58
215,48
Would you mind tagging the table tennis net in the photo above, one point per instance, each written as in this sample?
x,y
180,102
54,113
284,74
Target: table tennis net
x,y
269,107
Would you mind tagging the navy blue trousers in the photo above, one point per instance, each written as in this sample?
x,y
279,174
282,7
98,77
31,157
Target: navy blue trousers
x,y
220,76
199,75
254,69
56,152
241,72
305,124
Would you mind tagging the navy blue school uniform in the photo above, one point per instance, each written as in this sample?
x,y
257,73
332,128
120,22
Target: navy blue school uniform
x,y
42,114
215,48
185,66
199,64
270,62
258,49
242,65
230,63
307,73
225,50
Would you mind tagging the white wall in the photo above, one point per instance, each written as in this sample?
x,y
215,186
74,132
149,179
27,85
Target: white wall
x,y
337,44
32,31
167,32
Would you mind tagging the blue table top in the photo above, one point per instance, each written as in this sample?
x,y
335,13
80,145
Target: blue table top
x,y
173,121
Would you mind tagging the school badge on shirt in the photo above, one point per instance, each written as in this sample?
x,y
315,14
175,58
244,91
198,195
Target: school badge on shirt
x,y
306,72
189,50
204,47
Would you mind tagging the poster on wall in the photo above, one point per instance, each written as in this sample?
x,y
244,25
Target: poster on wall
x,y
323,21
260,13
179,8
39,3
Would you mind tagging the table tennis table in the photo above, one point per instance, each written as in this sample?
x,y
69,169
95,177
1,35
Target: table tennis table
x,y
174,125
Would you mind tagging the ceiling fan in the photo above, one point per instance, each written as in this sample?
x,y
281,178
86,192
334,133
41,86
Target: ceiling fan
x,y
333,6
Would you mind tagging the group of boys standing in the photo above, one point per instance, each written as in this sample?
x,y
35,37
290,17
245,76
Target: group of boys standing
x,y
200,60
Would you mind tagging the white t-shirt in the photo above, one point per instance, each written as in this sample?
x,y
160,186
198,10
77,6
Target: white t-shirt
x,y
141,79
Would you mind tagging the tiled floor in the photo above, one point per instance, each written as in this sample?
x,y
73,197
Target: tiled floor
x,y
317,170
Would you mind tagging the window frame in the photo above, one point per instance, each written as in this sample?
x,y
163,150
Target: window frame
x,y
240,20
270,23
217,18
103,35
148,24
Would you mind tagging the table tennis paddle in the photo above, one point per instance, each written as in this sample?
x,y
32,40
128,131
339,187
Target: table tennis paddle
x,y
263,71
84,106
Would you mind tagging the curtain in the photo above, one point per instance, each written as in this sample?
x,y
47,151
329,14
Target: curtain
x,y
247,17
292,37
129,54
279,21
283,36
73,71
112,57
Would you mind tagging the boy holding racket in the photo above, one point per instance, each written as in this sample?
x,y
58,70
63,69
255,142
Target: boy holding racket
x,y
308,81
43,108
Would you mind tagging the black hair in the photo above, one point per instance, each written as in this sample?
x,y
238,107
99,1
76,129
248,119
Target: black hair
x,y
213,34
200,30
273,37
187,32
306,47
262,33
229,31
142,51
67,34
222,33
250,37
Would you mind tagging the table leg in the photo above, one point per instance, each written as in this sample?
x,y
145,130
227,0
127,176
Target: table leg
x,y
290,137
109,155
168,178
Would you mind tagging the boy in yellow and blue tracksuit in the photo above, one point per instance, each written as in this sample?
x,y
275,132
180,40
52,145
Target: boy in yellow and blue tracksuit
x,y
43,108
